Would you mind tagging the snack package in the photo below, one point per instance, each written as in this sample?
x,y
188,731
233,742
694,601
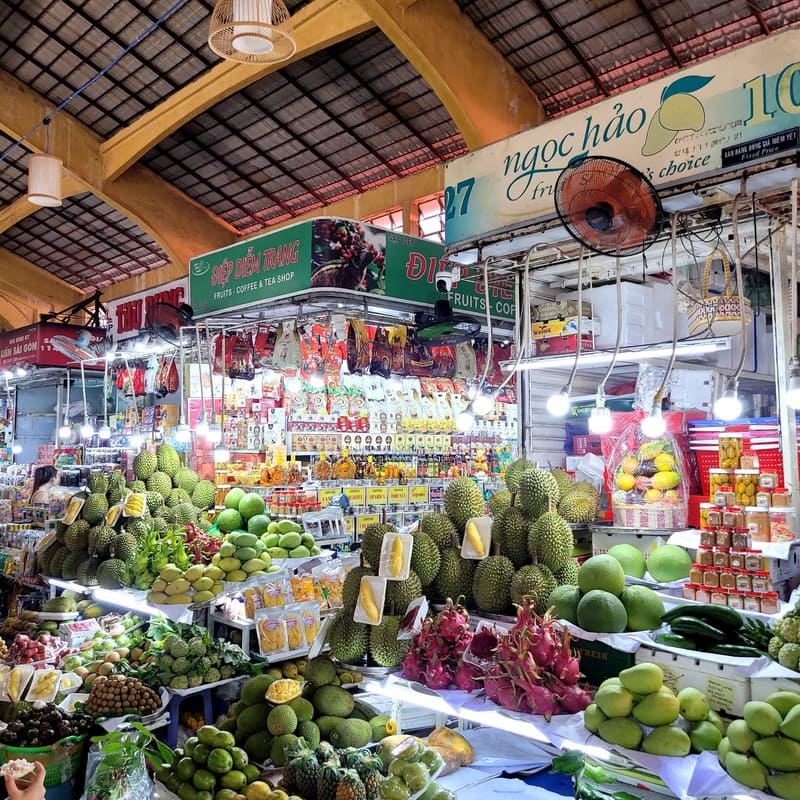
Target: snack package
x,y
293,619
253,601
274,591
271,629
302,587
310,614
329,578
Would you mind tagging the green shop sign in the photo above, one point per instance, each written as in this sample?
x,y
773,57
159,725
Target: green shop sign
x,y
323,254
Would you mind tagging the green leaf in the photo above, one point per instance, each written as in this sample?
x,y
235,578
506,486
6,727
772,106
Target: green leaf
x,y
686,85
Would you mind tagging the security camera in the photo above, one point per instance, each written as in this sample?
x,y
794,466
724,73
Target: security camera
x,y
446,278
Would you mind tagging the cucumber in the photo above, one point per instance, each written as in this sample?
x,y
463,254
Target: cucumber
x,y
674,640
720,617
699,631
737,650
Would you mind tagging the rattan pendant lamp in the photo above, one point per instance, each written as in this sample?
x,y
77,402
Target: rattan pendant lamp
x,y
252,31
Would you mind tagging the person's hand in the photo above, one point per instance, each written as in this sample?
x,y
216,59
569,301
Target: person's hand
x,y
29,789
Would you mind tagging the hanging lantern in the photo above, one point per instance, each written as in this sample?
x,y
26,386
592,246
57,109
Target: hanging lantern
x,y
44,180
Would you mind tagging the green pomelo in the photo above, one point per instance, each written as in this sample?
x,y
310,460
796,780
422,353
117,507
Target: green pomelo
x,y
601,572
643,606
564,602
631,559
258,524
602,612
233,498
669,563
251,505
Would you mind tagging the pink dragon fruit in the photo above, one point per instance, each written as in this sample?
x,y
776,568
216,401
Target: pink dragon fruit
x,y
453,622
467,677
436,675
572,697
412,666
484,644
566,666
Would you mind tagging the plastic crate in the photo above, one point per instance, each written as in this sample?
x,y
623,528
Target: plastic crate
x,y
706,460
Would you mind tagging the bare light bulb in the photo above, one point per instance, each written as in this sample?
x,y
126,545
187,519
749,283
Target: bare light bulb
x,y
64,432
654,425
728,406
482,404
183,434
793,388
558,404
104,433
293,384
464,421
87,430
135,442
600,420
221,454
201,429
214,435
317,380
16,448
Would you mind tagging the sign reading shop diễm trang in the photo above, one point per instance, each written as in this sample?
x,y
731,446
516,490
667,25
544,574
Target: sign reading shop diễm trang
x,y
742,107
336,254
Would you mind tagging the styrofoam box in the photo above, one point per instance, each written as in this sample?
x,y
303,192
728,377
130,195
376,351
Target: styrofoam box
x,y
762,688
784,569
410,717
644,541
759,358
725,689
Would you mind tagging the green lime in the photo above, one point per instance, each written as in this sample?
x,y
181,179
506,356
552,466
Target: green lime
x,y
223,739
200,754
219,761
204,780
207,733
240,758
235,779
185,768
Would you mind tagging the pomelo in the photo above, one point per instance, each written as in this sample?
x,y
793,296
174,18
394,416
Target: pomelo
x,y
258,524
669,563
564,600
601,572
602,612
229,520
250,505
631,559
643,607
233,498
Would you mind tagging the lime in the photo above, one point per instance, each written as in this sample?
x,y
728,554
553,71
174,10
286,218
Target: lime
x,y
185,768
235,779
205,796
219,761
240,758
252,772
203,780
223,739
189,746
225,794
200,754
187,792
206,734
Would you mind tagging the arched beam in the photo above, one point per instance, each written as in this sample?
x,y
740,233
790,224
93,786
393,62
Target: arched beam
x,y
178,224
28,291
318,25
20,209
485,97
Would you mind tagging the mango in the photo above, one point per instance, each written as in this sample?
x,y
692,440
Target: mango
x,y
288,526
667,741
716,720
288,541
592,717
614,701
610,682
778,753
178,599
214,572
270,539
278,552
170,573
761,717
245,554
181,586
741,736
301,551
203,596
693,704
784,702
243,539
786,786
723,748
642,679
657,709
704,735
156,597
237,576
621,731
159,585
791,723
229,564
226,550
202,584
746,769
193,573
253,565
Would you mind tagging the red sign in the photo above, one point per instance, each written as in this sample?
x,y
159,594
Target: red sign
x,y
34,345
128,315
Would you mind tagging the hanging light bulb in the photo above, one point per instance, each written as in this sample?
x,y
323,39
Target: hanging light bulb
x,y
600,417
464,421
395,383
105,432
482,403
135,442
64,432
793,387
558,404
728,406
293,384
20,371
317,379
201,429
183,433
87,430
221,454
214,435
16,448
654,425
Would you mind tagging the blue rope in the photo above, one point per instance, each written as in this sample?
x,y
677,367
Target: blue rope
x,y
46,121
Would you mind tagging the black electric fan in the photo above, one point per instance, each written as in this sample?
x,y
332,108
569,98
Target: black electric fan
x,y
442,327
608,206
167,321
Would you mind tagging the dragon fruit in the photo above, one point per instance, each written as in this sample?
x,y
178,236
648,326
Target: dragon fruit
x,y
484,644
452,622
412,665
467,677
436,675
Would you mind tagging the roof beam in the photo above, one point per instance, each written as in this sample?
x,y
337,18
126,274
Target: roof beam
x,y
177,223
318,25
481,91
20,209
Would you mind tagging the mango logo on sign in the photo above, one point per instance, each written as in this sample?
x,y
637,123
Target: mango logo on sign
x,y
679,111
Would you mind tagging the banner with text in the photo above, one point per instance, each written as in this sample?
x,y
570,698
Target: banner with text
x,y
128,315
740,108
338,254
33,345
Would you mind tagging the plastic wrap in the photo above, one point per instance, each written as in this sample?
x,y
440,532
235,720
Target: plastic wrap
x,y
116,772
649,479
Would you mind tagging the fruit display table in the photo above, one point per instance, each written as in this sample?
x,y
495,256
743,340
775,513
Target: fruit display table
x,y
177,696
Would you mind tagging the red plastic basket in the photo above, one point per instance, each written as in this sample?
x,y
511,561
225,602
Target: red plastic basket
x,y
770,461
706,460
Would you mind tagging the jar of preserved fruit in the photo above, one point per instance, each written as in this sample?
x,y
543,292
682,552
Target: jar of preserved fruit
x,y
758,523
782,526
717,478
730,450
745,486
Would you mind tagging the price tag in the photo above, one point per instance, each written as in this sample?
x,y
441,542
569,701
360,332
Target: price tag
x,y
436,494
720,693
376,495
398,495
418,494
362,520
357,495
349,524
326,495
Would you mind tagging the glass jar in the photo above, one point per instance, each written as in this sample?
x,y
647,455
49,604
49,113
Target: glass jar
x,y
727,579
741,538
753,561
689,591
781,497
744,582
736,559
735,600
768,480
719,598
708,538
718,478
724,496
702,594
704,509
761,581
705,557
770,603
696,573
721,558
723,537
763,498
714,516
758,523
711,578
745,483
733,517
730,450
782,526
752,602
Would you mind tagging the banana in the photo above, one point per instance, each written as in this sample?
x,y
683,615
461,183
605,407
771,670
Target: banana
x,y
368,601
474,539
396,558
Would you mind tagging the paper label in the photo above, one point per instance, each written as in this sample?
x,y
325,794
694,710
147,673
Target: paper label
x,y
376,495
418,494
398,495
356,494
326,495
720,694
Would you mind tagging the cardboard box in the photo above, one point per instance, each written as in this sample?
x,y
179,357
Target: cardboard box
x,y
725,688
644,541
562,326
762,688
560,345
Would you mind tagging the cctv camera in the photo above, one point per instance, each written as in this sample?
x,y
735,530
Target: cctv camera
x,y
446,278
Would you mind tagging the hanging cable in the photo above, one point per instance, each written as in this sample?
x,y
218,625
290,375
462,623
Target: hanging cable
x,y
114,61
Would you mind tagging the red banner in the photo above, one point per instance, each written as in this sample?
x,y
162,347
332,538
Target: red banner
x,y
34,345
